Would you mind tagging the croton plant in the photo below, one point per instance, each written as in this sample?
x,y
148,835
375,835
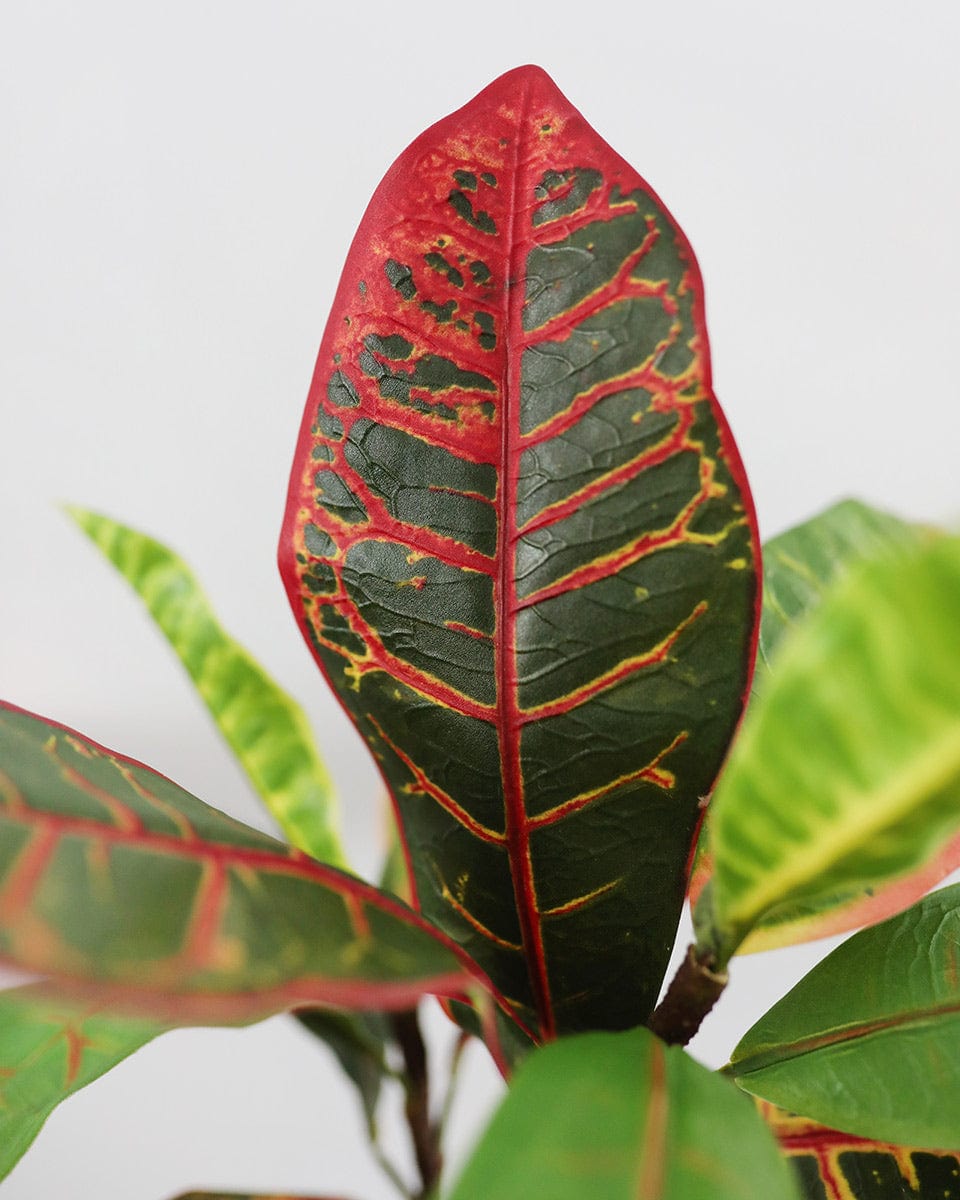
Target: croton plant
x,y
520,544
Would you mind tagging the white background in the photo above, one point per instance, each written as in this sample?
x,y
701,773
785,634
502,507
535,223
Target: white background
x,y
178,188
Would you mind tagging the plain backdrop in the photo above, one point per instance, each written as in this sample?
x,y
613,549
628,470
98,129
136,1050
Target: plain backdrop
x,y
178,188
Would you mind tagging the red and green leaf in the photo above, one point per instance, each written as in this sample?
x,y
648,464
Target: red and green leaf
x,y
520,543
249,1196
838,1166
48,1051
117,882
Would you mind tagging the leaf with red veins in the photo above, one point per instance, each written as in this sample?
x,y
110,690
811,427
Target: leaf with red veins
x,y
122,886
521,546
48,1050
831,1165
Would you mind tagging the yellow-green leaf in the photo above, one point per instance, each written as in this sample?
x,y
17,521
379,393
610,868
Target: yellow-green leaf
x,y
847,774
264,727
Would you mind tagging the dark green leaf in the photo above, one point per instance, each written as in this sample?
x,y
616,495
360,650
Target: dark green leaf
x,y
519,541
359,1042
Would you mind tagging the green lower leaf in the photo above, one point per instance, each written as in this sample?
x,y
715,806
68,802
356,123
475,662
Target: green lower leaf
x,y
867,1042
48,1051
623,1117
847,775
837,1166
116,881
264,727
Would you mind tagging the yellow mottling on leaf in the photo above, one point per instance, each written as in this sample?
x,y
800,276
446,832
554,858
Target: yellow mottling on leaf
x,y
229,954
737,564
641,593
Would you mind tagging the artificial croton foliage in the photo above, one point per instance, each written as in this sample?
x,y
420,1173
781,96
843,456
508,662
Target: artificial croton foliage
x,y
519,541
520,544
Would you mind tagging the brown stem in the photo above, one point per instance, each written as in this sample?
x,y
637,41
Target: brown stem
x,y
694,990
424,1132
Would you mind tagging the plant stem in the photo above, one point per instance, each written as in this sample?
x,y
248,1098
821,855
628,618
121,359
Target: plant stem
x,y
694,990
424,1132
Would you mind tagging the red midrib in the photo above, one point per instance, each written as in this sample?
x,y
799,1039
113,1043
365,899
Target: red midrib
x,y
505,645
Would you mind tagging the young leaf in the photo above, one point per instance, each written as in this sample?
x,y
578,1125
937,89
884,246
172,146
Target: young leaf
x,y
118,882
799,568
837,1166
520,544
866,1042
847,775
48,1051
264,727
622,1117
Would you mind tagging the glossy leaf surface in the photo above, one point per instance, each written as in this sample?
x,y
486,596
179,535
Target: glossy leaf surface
x,y
847,775
264,727
867,1041
519,543
116,880
48,1051
623,1117
799,568
838,1166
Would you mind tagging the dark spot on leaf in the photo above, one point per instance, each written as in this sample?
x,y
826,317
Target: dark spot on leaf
x,y
438,263
318,541
442,312
341,391
480,271
394,345
400,276
460,203
466,179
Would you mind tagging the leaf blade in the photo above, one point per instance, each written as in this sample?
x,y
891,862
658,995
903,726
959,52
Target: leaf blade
x,y
865,1042
529,575
860,727
120,883
621,1116
801,565
837,1166
264,727
48,1051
